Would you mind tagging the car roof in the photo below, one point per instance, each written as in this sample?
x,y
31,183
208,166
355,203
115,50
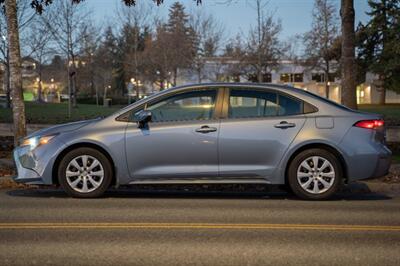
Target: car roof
x,y
235,84
297,92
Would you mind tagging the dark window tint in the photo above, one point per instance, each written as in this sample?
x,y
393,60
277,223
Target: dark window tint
x,y
266,77
247,103
318,77
298,77
195,105
292,77
289,106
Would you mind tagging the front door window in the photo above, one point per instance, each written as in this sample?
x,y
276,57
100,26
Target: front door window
x,y
189,106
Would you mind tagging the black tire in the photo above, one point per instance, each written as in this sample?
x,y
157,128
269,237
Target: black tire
x,y
294,166
105,163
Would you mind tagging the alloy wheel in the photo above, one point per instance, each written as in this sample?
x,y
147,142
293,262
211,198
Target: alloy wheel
x,y
316,175
84,173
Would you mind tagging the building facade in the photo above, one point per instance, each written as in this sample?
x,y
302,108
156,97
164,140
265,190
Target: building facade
x,y
287,72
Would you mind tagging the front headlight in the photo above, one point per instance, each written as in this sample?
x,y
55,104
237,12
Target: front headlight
x,y
37,141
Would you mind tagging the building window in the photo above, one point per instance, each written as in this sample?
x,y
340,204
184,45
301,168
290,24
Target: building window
x,y
320,77
298,77
266,77
285,77
292,77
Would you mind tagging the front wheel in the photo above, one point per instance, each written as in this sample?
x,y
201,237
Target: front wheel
x,y
315,174
85,173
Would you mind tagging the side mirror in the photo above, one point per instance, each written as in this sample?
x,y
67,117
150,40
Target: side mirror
x,y
142,118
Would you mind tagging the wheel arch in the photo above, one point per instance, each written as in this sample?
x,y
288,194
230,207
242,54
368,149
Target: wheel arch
x,y
82,145
318,145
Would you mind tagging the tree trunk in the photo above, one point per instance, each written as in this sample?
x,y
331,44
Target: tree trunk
x,y
75,90
6,80
69,88
40,98
349,97
175,76
327,88
18,106
73,80
382,90
40,89
259,75
382,96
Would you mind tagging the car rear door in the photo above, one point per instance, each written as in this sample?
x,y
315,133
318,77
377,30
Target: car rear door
x,y
257,129
180,142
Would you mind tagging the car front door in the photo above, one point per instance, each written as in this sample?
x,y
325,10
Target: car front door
x,y
258,129
181,140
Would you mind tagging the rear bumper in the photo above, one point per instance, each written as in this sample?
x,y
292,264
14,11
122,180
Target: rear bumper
x,y
382,165
371,166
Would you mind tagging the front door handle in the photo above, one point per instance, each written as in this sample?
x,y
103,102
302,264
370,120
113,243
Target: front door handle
x,y
284,125
206,129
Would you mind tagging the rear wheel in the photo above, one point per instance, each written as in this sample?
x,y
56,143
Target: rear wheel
x,y
85,173
315,174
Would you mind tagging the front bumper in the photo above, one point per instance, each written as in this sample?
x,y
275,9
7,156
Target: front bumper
x,y
36,166
25,167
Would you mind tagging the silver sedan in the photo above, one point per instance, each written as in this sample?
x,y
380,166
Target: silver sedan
x,y
212,133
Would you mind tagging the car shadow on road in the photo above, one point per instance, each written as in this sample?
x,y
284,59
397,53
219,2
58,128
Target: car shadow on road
x,y
270,194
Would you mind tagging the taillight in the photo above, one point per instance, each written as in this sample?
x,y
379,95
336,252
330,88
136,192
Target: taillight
x,y
371,124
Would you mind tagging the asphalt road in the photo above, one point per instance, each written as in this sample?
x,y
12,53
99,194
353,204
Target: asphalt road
x,y
44,227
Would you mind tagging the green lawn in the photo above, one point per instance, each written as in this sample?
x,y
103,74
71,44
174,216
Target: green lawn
x,y
57,113
391,112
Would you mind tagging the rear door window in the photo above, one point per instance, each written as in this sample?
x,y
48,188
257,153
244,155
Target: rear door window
x,y
246,103
289,106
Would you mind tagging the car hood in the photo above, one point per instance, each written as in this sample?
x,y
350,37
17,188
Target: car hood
x,y
62,128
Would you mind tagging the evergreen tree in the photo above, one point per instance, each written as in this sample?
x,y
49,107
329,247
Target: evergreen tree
x,y
379,44
181,40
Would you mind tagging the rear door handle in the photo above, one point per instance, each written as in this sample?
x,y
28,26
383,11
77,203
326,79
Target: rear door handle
x,y
206,129
284,125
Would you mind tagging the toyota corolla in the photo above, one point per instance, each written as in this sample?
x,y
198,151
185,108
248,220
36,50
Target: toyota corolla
x,y
211,133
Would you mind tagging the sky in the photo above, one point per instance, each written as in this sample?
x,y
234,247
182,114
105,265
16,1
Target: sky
x,y
238,16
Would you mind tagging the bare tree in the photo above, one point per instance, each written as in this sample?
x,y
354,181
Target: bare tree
x,y
90,40
25,15
65,21
234,62
263,48
209,33
39,49
320,40
135,22
15,71
349,97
